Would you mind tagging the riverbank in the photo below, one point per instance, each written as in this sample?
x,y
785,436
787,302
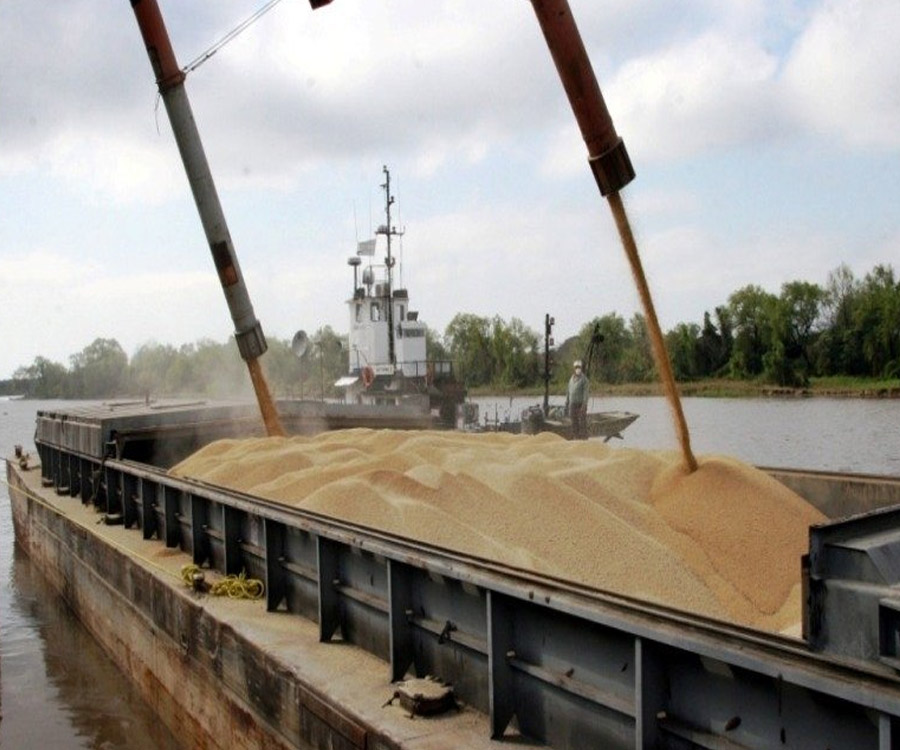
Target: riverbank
x,y
723,388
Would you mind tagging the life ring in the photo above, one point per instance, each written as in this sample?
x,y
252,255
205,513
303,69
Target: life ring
x,y
368,376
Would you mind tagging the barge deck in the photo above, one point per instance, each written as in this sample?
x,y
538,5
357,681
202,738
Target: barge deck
x,y
348,612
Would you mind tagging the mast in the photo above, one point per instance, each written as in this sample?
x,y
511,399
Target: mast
x,y
389,231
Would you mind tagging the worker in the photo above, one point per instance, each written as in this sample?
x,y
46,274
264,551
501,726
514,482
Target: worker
x,y
576,402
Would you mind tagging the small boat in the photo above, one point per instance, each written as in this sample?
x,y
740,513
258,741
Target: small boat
x,y
546,418
604,424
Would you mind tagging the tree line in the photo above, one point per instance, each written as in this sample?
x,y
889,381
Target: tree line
x,y
848,327
205,368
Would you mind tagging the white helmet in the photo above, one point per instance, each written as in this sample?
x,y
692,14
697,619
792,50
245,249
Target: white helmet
x,y
577,364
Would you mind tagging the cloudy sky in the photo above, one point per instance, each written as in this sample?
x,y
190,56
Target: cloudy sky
x,y
765,135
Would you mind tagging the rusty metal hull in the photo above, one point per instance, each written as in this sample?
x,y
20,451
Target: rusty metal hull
x,y
219,673
564,665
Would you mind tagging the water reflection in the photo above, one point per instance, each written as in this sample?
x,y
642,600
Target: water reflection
x,y
60,689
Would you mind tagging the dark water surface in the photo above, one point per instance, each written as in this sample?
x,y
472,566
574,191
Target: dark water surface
x,y
61,691
59,688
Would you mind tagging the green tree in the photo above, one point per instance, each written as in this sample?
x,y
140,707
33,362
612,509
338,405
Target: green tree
x,y
468,338
331,358
683,345
150,367
434,346
514,353
100,369
284,370
751,310
45,379
877,321
794,315
609,356
838,349
218,369
714,343
637,359
848,327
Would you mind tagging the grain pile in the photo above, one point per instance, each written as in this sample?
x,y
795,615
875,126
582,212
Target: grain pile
x,y
724,541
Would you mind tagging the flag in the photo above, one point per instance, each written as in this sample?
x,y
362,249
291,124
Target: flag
x,y
366,247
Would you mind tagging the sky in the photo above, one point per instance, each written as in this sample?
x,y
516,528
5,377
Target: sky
x,y
765,136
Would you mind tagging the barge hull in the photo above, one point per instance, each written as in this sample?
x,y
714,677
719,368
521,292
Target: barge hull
x,y
349,611
219,673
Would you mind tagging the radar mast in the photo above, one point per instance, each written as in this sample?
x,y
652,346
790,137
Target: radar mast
x,y
389,232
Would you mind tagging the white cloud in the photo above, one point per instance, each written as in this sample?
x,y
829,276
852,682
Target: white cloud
x,y
843,75
692,270
116,167
55,305
461,99
707,93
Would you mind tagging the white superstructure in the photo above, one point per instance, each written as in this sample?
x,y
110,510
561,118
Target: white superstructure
x,y
388,357
370,331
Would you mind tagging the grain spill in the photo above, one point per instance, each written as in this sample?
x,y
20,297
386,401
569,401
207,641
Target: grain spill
x,y
723,541
657,343
264,398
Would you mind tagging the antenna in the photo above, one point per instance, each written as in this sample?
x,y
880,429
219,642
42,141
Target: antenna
x,y
389,231
400,235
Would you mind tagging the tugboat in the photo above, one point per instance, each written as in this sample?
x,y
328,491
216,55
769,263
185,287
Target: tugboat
x,y
388,363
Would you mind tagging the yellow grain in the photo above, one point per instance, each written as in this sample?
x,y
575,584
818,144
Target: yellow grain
x,y
723,541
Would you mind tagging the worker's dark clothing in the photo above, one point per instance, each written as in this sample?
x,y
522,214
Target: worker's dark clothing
x,y
576,405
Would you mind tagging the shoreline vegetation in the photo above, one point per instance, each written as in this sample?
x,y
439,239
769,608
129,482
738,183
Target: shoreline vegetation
x,y
725,388
830,387
840,340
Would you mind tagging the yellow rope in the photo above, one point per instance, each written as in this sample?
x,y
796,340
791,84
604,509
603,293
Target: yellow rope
x,y
188,572
233,586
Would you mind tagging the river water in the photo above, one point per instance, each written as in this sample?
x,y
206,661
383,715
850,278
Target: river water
x,y
827,434
60,690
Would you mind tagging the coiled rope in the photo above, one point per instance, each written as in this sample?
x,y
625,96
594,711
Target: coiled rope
x,y
233,586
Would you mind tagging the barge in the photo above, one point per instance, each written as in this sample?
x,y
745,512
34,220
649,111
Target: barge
x,y
351,617
351,614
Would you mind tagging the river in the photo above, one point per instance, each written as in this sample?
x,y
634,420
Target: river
x,y
828,434
60,690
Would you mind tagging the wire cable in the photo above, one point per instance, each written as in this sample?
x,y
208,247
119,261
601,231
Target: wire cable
x,y
210,51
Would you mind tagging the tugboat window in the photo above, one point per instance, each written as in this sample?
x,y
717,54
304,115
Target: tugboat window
x,y
376,312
